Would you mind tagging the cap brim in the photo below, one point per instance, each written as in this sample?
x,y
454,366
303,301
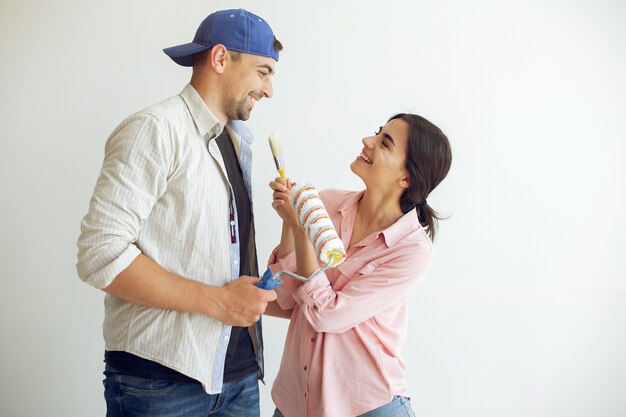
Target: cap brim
x,y
182,54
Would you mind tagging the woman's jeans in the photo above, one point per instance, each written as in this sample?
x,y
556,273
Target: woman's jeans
x,y
130,396
398,407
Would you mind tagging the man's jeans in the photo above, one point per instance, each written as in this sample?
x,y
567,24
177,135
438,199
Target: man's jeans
x,y
130,396
398,407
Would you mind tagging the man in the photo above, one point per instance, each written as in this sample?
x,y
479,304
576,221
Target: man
x,y
169,235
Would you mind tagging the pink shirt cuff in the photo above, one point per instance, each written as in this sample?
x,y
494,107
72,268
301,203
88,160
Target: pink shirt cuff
x,y
289,285
314,290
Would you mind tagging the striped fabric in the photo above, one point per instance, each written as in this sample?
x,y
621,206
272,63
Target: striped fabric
x,y
163,191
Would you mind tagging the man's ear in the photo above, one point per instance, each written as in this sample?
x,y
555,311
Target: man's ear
x,y
218,57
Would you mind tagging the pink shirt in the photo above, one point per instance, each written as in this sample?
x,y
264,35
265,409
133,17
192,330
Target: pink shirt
x,y
342,353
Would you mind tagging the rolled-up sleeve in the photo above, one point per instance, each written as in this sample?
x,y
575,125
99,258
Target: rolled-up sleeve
x,y
132,178
284,292
369,292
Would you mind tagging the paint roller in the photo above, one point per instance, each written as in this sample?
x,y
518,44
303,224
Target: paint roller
x,y
314,219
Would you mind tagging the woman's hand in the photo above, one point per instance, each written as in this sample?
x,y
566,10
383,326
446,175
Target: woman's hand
x,y
281,192
293,237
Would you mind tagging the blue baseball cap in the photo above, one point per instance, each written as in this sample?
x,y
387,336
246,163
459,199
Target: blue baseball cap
x,y
236,29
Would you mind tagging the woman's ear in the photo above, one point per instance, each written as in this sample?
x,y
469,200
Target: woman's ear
x,y
405,182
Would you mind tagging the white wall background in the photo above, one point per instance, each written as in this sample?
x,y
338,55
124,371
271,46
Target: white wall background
x,y
524,313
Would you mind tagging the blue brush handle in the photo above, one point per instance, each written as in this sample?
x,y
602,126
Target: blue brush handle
x,y
268,282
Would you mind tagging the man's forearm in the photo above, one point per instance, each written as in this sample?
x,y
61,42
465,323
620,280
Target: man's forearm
x,y
146,283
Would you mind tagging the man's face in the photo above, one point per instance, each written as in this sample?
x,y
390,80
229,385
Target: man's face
x,y
247,80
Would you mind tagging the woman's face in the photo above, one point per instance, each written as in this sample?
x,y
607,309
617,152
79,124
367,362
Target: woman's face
x,y
383,158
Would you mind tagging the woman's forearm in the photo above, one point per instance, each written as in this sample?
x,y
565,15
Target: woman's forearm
x,y
306,259
286,244
274,310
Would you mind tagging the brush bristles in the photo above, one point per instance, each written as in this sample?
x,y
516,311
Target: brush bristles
x,y
275,145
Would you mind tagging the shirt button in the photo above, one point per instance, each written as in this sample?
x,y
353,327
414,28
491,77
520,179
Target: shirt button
x,y
314,307
305,368
232,222
305,394
312,340
236,262
226,337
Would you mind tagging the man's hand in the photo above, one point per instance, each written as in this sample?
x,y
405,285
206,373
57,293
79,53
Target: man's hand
x,y
241,303
144,282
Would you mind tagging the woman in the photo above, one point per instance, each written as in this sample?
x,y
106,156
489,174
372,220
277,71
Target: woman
x,y
348,325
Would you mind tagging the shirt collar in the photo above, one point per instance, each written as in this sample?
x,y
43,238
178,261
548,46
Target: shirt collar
x,y
393,234
406,224
205,120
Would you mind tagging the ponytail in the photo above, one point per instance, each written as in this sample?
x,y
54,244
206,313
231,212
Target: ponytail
x,y
428,161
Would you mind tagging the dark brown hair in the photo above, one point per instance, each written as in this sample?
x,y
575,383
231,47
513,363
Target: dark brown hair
x,y
277,45
428,161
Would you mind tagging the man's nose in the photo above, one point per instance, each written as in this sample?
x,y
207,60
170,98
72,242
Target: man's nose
x,y
268,89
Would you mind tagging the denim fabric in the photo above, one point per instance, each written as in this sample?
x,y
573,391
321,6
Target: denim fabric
x,y
131,396
398,407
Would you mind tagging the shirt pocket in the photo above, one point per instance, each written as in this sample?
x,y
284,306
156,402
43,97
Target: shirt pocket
x,y
350,269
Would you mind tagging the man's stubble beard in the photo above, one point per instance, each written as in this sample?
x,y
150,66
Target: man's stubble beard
x,y
237,110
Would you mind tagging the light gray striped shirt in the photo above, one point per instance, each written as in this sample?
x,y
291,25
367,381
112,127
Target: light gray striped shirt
x,y
163,191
